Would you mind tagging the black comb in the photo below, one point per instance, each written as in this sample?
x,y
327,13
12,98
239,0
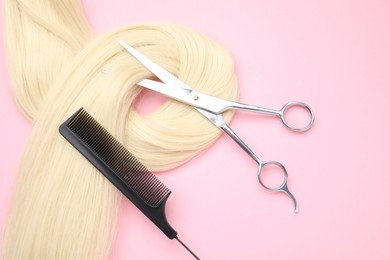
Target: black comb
x,y
121,168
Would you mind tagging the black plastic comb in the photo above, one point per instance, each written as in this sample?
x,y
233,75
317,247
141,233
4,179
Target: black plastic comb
x,y
121,168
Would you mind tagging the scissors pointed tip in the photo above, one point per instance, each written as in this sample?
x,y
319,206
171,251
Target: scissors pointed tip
x,y
126,46
121,43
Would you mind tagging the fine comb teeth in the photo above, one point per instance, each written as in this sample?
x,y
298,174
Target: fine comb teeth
x,y
119,166
122,162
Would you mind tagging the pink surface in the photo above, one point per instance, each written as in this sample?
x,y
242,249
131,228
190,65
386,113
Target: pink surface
x,y
333,55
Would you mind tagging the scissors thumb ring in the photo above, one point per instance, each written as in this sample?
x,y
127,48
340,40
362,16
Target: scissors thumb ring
x,y
287,106
283,187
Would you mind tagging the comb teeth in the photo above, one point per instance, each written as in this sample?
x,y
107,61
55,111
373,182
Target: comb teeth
x,y
132,172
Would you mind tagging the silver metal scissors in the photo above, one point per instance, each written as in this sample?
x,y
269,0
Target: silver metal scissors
x,y
212,108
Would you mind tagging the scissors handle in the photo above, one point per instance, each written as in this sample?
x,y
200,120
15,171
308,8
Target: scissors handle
x,y
284,109
217,105
241,143
281,113
283,187
262,165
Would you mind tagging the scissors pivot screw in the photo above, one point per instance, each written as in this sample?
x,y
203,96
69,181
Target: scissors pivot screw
x,y
196,98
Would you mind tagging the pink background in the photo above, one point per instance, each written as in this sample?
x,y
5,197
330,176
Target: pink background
x,y
333,55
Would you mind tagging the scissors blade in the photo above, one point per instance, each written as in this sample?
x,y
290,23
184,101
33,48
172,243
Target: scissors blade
x,y
171,91
182,96
195,98
156,69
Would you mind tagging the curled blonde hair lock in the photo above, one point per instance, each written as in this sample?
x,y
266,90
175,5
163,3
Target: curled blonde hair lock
x,y
63,208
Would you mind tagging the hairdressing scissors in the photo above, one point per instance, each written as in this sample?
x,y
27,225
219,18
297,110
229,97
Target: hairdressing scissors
x,y
212,108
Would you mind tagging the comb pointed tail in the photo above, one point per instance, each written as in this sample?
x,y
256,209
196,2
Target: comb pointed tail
x,y
189,250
